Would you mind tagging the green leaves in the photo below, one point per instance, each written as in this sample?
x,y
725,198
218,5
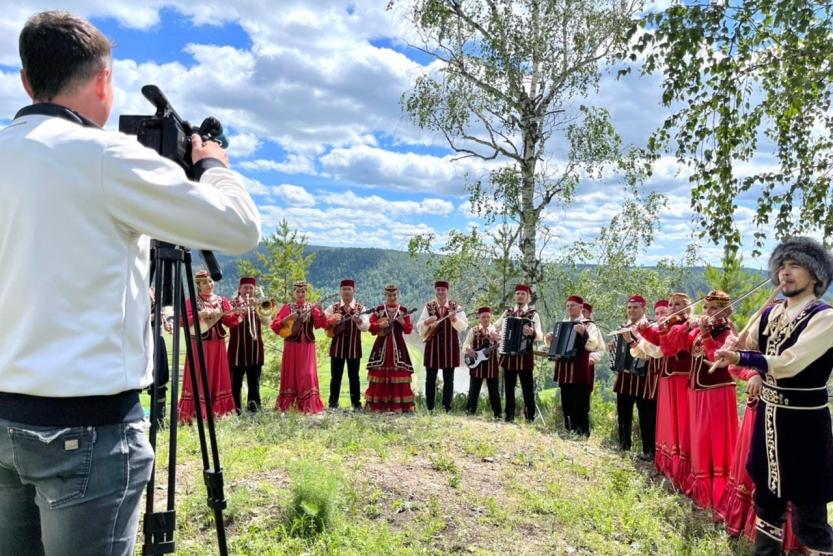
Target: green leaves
x,y
753,78
283,264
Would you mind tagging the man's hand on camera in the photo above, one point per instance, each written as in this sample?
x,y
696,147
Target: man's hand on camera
x,y
210,149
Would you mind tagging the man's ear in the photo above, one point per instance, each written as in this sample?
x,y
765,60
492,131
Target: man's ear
x,y
24,78
102,83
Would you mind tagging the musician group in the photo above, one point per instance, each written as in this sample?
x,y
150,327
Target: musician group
x,y
680,371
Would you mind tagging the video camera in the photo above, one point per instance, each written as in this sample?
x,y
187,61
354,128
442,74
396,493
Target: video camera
x,y
167,133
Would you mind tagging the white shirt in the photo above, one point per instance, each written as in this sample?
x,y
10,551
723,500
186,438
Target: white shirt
x,y
459,324
814,341
364,324
536,322
79,207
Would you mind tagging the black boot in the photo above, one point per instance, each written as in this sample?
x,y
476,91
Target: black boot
x,y
768,538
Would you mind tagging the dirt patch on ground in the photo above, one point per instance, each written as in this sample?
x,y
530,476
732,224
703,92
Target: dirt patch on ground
x,y
470,497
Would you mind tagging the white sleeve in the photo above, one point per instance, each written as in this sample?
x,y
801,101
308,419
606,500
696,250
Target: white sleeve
x,y
751,342
469,341
539,333
461,323
423,316
364,325
151,195
646,350
592,343
813,342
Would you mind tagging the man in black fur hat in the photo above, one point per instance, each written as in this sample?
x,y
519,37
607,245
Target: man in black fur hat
x,y
791,347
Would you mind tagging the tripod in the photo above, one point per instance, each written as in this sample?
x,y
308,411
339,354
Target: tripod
x,y
167,262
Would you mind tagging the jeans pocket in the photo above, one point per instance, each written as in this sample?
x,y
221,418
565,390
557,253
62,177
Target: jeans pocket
x,y
56,461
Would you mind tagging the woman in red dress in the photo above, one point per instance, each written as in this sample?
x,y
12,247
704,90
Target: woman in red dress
x,y
299,367
712,403
673,440
214,312
389,367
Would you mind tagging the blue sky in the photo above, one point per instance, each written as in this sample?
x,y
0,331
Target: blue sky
x,y
309,94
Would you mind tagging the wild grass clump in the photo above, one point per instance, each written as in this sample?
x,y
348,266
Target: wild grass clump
x,y
315,498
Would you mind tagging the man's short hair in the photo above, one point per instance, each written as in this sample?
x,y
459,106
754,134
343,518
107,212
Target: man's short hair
x,y
59,51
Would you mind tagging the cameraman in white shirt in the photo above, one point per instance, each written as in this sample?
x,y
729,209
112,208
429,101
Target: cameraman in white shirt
x,y
79,205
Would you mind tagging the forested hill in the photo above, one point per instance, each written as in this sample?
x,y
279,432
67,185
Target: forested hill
x,y
373,269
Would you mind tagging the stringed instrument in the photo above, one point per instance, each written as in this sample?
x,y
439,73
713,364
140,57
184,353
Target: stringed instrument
x,y
291,325
479,356
432,328
338,328
383,331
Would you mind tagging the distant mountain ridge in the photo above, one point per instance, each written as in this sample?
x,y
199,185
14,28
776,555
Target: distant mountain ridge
x,y
374,268
371,268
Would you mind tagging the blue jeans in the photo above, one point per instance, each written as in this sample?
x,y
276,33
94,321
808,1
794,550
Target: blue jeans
x,y
71,490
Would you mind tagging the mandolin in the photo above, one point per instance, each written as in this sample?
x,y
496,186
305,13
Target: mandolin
x,y
291,325
339,327
384,331
432,328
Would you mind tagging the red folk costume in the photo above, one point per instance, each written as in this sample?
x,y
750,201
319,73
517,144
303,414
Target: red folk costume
x,y
673,438
299,368
389,367
442,350
245,347
216,361
713,419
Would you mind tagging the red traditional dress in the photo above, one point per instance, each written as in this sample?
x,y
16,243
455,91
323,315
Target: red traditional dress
x,y
713,415
673,440
216,362
299,368
737,507
389,367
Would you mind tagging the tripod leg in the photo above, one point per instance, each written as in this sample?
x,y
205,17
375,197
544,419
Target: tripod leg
x,y
212,474
159,527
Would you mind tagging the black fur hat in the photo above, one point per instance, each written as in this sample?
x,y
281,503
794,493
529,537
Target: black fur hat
x,y
810,254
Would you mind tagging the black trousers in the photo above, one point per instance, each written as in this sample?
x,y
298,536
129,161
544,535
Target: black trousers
x,y
575,404
809,521
647,410
336,372
252,374
510,379
475,385
431,387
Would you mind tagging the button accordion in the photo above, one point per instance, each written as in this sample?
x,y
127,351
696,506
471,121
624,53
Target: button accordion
x,y
623,361
563,344
513,340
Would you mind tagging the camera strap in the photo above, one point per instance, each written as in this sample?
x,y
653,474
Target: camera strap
x,y
54,111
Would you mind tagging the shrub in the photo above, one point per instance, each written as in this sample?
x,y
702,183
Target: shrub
x,y
314,504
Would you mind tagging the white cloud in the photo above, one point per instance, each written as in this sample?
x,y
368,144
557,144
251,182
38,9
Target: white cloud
x,y
366,165
438,207
255,187
294,164
293,195
243,145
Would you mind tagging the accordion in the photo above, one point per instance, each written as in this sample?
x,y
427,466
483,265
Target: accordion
x,y
513,340
623,361
563,344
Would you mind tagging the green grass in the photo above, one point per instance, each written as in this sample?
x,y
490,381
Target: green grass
x,y
430,485
442,484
